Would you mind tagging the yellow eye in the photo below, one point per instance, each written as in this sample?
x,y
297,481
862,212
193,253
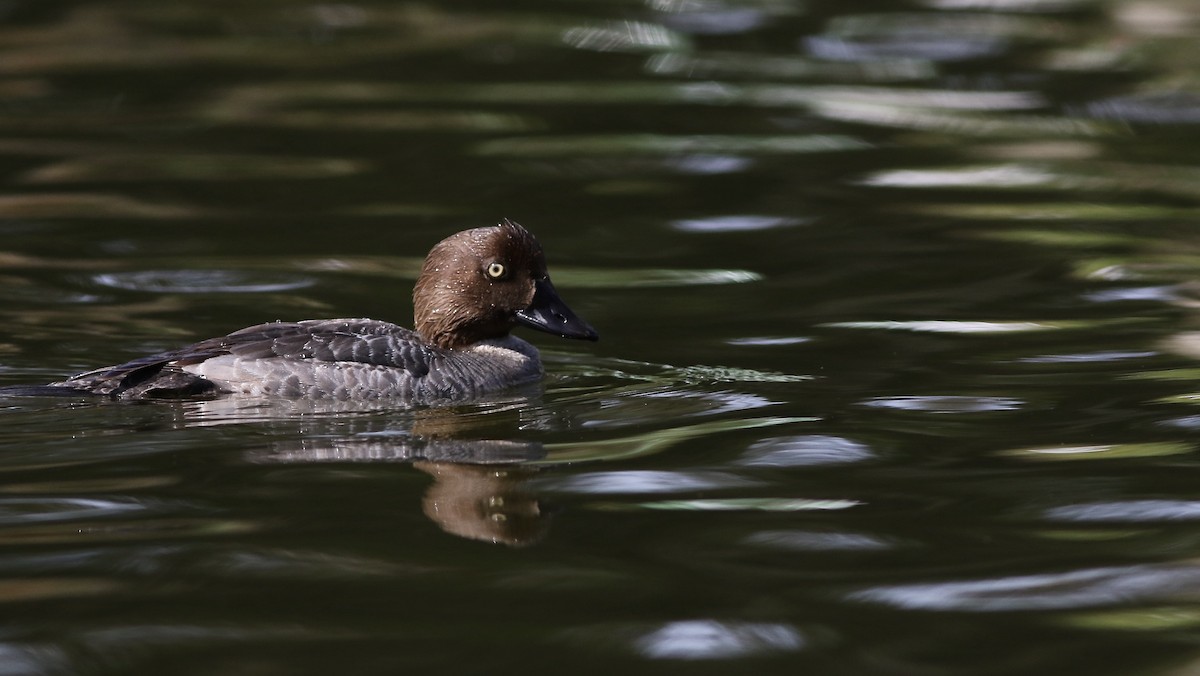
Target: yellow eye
x,y
496,270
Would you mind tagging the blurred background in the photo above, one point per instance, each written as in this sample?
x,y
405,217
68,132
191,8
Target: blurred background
x,y
898,336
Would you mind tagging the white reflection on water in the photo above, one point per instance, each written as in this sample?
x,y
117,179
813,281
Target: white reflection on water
x,y
735,223
28,510
951,326
18,659
769,341
1187,422
1071,589
933,48
946,404
1164,294
648,481
623,36
934,36
726,374
710,639
716,17
997,176
744,505
708,403
717,22
1128,511
202,281
708,164
1161,107
804,451
1087,357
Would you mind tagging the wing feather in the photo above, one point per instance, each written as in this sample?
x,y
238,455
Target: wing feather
x,y
328,340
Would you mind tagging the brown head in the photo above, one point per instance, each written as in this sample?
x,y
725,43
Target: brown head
x,y
478,284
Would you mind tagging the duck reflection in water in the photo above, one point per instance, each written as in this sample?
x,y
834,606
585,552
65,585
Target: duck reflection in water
x,y
480,486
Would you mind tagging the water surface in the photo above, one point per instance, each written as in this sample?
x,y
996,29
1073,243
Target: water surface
x,y
898,362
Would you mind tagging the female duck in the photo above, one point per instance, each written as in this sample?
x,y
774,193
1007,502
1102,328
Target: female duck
x,y
474,287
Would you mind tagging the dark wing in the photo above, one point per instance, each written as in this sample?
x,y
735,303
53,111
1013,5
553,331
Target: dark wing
x,y
353,340
356,340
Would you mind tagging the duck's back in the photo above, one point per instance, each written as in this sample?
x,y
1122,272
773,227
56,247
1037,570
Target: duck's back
x,y
330,358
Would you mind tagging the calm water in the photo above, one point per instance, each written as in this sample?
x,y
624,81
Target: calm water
x,y
898,370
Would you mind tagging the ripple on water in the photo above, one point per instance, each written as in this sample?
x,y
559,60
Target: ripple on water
x,y
203,281
735,223
623,36
1127,511
647,406
713,639
641,482
946,404
707,164
1187,422
713,64
35,658
804,451
34,510
666,145
818,541
691,639
277,563
1088,357
954,326
1162,294
936,37
1151,449
769,341
719,18
647,443
1083,588
633,278
1165,107
741,505
726,374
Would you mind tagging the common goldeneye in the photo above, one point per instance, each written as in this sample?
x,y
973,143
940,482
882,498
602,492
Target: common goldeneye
x,y
474,287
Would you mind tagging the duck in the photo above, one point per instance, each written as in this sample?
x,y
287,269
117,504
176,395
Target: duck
x,y
474,288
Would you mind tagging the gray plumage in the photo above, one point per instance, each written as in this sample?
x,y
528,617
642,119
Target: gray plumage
x,y
335,358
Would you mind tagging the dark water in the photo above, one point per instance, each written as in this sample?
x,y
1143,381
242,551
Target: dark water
x,y
897,303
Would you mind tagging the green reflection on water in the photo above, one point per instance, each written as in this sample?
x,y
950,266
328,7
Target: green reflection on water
x,y
655,441
191,167
1141,619
1101,451
652,144
1055,211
